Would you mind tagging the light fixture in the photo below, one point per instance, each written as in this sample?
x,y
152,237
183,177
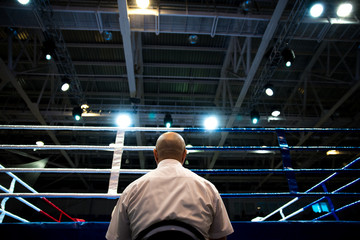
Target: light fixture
x,y
123,120
288,56
269,89
168,121
143,3
76,112
49,49
211,123
246,5
65,84
255,117
316,10
332,152
23,2
48,56
344,10
84,107
107,35
40,143
193,39
275,111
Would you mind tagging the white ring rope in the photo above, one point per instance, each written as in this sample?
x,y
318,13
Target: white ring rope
x,y
115,170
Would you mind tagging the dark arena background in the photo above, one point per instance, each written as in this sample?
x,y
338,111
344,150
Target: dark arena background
x,y
265,94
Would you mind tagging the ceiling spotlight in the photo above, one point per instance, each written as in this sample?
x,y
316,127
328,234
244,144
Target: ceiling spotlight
x,y
344,10
255,116
288,56
123,120
143,3
211,123
246,5
76,112
332,152
107,35
23,2
275,112
269,90
316,10
168,120
49,49
193,39
65,84
40,143
84,107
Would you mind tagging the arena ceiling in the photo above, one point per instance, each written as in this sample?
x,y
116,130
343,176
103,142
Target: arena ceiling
x,y
150,68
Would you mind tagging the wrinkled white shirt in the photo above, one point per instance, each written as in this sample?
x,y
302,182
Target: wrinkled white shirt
x,y
170,192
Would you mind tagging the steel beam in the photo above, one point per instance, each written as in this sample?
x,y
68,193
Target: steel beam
x,y
128,50
6,74
268,35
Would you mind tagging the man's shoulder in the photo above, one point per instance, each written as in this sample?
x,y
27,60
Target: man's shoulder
x,y
133,185
202,180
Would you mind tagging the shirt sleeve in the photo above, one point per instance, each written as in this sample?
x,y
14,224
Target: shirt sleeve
x,y
119,227
221,225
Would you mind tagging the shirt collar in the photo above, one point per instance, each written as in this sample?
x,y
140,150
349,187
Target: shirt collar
x,y
169,162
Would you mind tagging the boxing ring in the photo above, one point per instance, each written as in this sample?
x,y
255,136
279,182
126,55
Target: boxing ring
x,y
276,218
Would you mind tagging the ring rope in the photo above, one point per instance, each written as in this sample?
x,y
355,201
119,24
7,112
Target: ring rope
x,y
319,200
119,147
150,148
310,189
198,171
163,129
223,195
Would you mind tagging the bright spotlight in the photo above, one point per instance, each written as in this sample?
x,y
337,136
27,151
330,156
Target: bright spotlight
x,y
168,120
211,123
288,56
48,49
269,90
143,3
65,84
332,152
40,143
316,10
275,113
255,117
65,87
24,2
123,120
77,111
344,10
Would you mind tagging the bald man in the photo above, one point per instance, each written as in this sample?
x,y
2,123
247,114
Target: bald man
x,y
170,192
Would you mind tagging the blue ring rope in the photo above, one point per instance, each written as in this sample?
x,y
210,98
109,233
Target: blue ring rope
x,y
288,194
267,171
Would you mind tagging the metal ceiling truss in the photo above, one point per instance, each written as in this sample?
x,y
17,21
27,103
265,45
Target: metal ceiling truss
x,y
158,20
42,9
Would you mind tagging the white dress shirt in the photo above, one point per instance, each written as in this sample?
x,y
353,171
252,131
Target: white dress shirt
x,y
170,192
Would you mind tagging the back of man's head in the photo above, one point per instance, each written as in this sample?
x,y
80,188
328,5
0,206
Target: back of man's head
x,y
170,145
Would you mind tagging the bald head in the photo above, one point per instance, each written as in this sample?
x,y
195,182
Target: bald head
x,y
170,145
